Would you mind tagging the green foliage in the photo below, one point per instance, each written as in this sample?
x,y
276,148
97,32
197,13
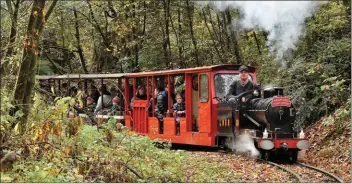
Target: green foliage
x,y
318,77
331,18
6,106
93,155
340,117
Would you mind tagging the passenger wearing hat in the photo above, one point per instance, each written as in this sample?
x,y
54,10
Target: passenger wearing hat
x,y
116,108
242,85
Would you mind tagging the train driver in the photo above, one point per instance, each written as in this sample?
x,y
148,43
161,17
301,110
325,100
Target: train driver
x,y
244,84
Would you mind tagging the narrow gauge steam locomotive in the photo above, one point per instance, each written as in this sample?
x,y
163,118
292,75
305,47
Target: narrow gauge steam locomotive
x,y
268,119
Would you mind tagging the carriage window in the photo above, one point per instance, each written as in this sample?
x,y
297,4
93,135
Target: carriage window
x,y
223,81
204,92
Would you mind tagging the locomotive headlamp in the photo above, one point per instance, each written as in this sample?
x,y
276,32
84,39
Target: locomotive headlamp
x,y
303,144
243,99
266,144
301,134
256,93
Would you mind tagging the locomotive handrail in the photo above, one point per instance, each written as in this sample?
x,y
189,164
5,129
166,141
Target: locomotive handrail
x,y
251,119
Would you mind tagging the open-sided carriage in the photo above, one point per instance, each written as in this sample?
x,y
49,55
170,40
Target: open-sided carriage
x,y
70,84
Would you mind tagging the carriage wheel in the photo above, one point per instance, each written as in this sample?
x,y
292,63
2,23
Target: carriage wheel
x,y
293,156
159,145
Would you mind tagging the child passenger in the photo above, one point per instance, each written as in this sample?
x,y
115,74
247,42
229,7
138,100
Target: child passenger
x,y
115,109
179,110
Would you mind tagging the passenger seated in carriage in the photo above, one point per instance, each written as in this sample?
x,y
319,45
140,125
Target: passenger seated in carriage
x,y
90,104
104,101
161,107
140,95
116,109
179,111
94,93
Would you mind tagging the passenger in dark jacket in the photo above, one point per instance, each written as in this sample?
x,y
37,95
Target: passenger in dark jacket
x,y
140,95
161,103
94,93
179,110
161,107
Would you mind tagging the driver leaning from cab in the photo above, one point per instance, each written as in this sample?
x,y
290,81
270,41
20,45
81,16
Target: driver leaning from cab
x,y
244,84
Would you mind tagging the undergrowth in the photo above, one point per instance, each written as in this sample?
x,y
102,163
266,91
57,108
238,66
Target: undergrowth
x,y
67,150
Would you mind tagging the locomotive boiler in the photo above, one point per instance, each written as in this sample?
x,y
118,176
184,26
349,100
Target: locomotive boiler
x,y
268,117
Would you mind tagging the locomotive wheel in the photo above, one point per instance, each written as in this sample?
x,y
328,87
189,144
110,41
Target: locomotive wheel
x,y
266,155
293,156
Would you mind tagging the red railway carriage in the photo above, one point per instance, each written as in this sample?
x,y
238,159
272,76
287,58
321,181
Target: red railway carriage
x,y
201,85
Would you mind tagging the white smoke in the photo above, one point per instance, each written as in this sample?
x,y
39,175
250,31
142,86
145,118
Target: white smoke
x,y
244,145
282,19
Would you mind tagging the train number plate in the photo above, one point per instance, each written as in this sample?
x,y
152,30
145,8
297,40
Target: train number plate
x,y
281,102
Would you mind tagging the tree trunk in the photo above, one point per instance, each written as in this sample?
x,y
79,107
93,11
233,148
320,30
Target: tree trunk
x,y
180,41
168,30
26,76
212,38
48,13
134,37
13,31
257,42
65,51
190,19
144,17
79,48
216,33
14,15
166,44
126,39
100,64
178,35
233,35
224,30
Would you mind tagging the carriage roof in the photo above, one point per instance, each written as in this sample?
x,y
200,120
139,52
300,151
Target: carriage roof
x,y
82,76
144,74
190,70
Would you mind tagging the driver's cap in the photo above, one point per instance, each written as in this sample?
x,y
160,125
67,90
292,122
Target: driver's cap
x,y
243,68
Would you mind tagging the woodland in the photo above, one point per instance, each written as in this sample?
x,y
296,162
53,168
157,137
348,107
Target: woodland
x,y
60,37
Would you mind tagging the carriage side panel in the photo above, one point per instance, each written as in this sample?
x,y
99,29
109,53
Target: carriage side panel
x,y
204,104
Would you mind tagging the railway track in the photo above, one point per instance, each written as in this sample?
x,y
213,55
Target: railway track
x,y
307,174
301,173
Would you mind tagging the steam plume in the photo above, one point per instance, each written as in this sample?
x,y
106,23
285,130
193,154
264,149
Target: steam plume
x,y
244,144
282,19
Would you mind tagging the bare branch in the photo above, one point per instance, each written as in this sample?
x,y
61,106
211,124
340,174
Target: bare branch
x,y
48,13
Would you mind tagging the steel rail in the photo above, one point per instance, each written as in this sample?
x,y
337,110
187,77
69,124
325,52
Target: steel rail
x,y
322,171
287,170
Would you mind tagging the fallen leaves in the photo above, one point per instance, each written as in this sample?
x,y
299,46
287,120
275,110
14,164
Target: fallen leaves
x,y
67,151
330,149
244,169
